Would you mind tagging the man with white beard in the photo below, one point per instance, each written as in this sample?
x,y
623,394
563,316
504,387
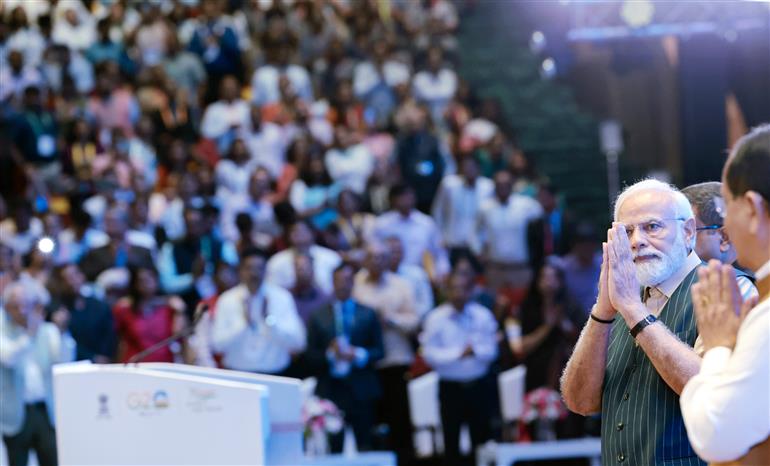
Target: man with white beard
x,y
635,354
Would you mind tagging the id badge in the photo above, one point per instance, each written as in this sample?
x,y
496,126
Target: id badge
x,y
46,145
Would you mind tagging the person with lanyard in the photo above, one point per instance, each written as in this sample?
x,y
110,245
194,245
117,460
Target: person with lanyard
x,y
459,342
726,407
344,344
36,134
256,326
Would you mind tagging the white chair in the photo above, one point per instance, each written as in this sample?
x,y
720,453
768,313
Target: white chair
x,y
511,384
424,413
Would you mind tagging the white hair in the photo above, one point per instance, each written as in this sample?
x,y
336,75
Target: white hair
x,y
24,291
682,207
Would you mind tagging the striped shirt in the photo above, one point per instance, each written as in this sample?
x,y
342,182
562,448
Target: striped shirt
x,y
641,421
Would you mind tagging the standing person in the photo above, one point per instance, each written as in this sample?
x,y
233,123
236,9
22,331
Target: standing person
x,y
548,234
582,267
392,298
187,265
216,43
416,277
118,252
344,344
459,342
145,317
256,326
548,329
90,319
418,232
712,240
726,407
225,278
349,162
280,267
457,201
29,347
308,297
224,119
501,235
636,351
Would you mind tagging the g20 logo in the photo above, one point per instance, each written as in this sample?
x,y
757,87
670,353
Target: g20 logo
x,y
144,401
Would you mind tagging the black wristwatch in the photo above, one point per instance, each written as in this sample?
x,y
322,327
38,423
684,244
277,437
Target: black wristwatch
x,y
650,319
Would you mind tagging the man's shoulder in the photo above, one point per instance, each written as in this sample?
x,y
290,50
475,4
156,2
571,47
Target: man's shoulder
x,y
438,315
411,272
480,311
364,310
452,181
421,219
230,296
280,258
273,291
397,280
320,252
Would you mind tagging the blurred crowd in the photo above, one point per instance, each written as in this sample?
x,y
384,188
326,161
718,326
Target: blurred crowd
x,y
315,172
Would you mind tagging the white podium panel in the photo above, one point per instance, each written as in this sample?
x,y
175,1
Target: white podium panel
x,y
284,444
127,415
511,384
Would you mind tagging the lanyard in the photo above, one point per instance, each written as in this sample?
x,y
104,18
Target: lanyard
x,y
38,122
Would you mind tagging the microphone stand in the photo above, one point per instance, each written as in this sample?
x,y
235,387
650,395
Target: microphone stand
x,y
178,335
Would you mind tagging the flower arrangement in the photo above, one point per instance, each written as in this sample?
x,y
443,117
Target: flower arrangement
x,y
320,417
543,407
543,403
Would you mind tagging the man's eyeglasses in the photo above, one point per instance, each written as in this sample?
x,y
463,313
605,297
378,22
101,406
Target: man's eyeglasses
x,y
708,228
652,228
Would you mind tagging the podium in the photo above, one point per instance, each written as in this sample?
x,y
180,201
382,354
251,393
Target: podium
x,y
145,415
284,407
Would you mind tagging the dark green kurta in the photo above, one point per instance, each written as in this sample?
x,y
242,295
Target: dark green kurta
x,y
641,421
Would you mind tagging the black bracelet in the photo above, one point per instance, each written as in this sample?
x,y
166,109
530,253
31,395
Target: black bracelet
x,y
601,321
650,319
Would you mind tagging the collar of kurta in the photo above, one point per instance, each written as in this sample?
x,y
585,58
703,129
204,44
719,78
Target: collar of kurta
x,y
669,285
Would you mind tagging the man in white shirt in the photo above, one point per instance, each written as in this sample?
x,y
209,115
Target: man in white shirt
x,y
266,142
415,276
29,347
436,85
17,76
264,82
280,267
418,232
368,75
257,205
73,26
457,201
501,234
459,342
256,326
391,297
711,239
224,118
349,163
726,407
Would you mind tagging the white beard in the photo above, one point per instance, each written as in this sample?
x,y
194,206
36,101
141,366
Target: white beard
x,y
655,271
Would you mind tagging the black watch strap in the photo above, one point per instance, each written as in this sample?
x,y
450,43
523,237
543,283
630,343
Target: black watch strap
x,y
650,319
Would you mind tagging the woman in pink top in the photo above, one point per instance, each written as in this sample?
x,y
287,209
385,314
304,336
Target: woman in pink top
x,y
144,317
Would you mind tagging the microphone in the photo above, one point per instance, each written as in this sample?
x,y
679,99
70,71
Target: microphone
x,y
188,330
